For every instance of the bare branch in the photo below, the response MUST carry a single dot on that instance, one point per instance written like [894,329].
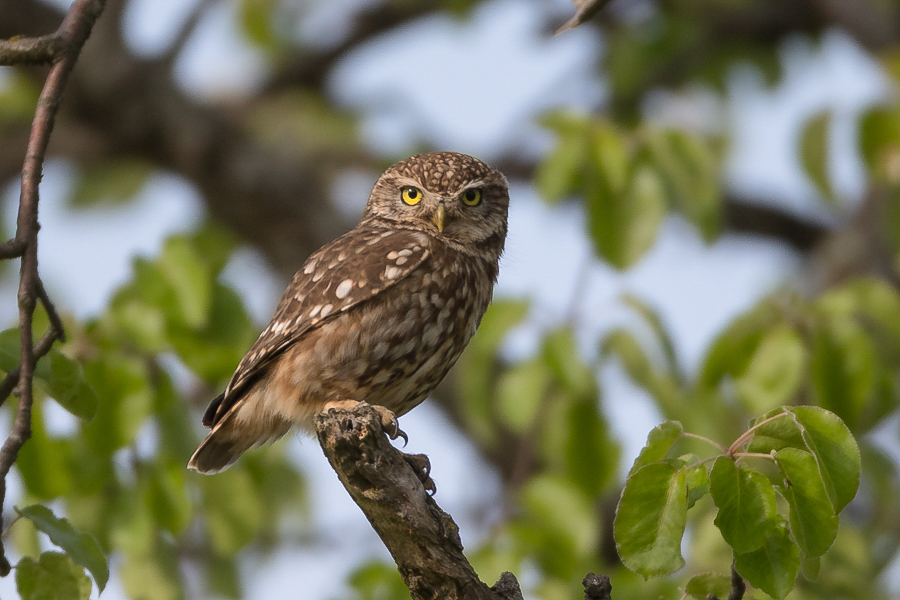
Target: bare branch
[748,215]
[422,538]
[585,11]
[68,41]
[29,51]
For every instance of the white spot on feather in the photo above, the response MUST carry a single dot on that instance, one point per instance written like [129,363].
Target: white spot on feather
[326,310]
[343,289]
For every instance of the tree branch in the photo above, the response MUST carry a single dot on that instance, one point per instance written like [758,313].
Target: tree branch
[422,538]
[66,44]
[29,51]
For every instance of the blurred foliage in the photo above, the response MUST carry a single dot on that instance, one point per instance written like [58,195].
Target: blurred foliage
[798,385]
[120,474]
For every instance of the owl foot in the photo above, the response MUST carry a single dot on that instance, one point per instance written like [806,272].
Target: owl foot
[390,424]
[421,466]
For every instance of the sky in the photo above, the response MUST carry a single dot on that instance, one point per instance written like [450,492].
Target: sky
[497,73]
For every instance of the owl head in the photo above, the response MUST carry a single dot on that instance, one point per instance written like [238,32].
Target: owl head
[451,196]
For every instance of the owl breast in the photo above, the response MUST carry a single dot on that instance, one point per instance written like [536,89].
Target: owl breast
[392,350]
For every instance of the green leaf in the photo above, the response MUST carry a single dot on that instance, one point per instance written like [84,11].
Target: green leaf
[659,441]
[625,207]
[68,386]
[814,144]
[810,567]
[520,391]
[591,453]
[560,173]
[777,433]
[213,350]
[561,354]
[652,319]
[746,503]
[650,520]
[835,451]
[125,397]
[378,581]
[690,171]
[152,573]
[52,577]
[773,568]
[813,519]
[558,525]
[697,480]
[478,364]
[166,496]
[223,578]
[81,547]
[44,461]
[843,367]
[662,386]
[256,21]
[234,510]
[734,348]
[775,372]
[879,137]
[706,584]
[10,349]
[190,279]
[110,182]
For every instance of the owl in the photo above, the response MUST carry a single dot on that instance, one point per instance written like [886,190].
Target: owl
[378,315]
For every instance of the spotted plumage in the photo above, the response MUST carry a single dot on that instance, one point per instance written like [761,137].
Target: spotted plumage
[378,315]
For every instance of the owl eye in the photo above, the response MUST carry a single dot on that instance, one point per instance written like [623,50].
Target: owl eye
[411,195]
[471,197]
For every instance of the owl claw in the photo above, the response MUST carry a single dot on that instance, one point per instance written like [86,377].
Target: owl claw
[421,466]
[390,424]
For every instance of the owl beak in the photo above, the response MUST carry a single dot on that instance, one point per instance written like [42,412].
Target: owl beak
[440,215]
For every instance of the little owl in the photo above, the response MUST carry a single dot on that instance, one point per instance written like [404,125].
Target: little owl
[378,315]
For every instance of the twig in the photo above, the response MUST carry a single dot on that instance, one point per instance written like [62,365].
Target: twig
[62,49]
[187,30]
[29,51]
[40,350]
[422,538]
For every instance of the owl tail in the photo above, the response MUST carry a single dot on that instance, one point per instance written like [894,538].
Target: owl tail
[222,446]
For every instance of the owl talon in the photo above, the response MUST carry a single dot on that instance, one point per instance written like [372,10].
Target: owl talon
[390,424]
[421,466]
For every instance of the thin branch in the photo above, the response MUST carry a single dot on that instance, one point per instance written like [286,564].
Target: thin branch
[422,538]
[30,50]
[704,439]
[745,437]
[56,324]
[40,350]
[68,41]
[186,32]
[13,248]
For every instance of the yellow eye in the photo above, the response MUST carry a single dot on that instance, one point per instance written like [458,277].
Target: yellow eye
[471,197]
[411,195]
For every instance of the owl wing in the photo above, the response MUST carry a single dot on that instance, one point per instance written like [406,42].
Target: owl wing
[338,276]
